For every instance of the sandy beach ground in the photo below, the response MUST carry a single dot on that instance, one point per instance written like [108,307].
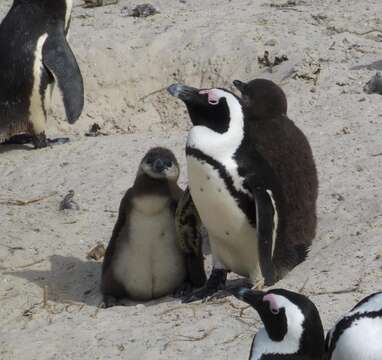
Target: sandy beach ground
[333,47]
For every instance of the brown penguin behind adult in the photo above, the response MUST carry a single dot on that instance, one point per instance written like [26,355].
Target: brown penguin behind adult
[277,137]
[143,260]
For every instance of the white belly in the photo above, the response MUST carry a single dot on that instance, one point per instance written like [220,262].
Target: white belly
[363,340]
[150,263]
[232,238]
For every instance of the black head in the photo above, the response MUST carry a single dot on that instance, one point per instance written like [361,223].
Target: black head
[262,98]
[160,163]
[289,317]
[212,108]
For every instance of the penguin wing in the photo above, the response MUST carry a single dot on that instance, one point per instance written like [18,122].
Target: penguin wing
[124,209]
[59,59]
[266,215]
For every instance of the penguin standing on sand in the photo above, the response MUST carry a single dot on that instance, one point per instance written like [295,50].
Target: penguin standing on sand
[292,325]
[34,56]
[358,334]
[287,150]
[237,191]
[143,260]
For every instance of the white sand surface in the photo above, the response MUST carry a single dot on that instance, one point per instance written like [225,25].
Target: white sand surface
[127,63]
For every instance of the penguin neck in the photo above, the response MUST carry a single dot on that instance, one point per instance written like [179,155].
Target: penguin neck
[220,146]
[264,345]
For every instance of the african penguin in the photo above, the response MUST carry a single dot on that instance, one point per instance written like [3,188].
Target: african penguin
[292,325]
[358,334]
[235,189]
[34,56]
[287,150]
[143,260]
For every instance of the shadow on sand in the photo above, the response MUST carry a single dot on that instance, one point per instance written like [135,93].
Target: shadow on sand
[72,280]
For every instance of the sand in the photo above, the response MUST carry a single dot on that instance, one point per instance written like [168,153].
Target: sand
[333,49]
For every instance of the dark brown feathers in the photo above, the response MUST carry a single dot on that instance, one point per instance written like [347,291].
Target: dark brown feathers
[287,150]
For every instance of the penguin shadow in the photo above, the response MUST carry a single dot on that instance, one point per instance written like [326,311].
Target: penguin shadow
[376,65]
[12,147]
[69,280]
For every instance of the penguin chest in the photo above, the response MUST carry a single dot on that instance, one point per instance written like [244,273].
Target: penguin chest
[362,340]
[150,263]
[232,238]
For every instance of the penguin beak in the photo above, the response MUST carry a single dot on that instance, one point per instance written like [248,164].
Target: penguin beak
[187,94]
[239,85]
[251,297]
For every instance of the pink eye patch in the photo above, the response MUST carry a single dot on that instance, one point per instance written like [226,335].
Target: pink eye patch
[272,303]
[213,96]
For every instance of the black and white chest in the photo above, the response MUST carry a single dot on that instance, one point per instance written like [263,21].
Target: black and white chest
[358,333]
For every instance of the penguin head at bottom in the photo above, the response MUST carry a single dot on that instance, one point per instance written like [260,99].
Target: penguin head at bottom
[292,324]
[160,163]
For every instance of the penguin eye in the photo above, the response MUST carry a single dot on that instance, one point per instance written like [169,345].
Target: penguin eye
[149,160]
[275,311]
[168,163]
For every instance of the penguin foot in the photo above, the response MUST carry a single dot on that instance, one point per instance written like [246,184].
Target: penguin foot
[215,283]
[40,141]
[108,301]
[184,290]
[58,141]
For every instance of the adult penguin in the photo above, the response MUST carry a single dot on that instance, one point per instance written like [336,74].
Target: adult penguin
[34,56]
[358,333]
[292,325]
[237,192]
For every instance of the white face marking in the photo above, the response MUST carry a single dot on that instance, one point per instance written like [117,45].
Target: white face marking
[69,6]
[36,110]
[373,304]
[291,342]
[222,147]
[149,264]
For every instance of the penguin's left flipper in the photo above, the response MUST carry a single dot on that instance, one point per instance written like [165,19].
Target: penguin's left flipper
[265,226]
[58,58]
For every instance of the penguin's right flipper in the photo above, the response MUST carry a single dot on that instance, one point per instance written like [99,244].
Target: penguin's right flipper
[265,229]
[59,59]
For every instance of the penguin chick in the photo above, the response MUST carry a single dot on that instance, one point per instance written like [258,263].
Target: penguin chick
[287,150]
[35,56]
[143,260]
[358,334]
[292,325]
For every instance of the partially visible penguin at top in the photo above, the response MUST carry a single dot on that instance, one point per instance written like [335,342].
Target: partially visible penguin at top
[34,56]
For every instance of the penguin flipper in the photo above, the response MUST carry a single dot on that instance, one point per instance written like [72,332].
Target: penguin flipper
[59,59]
[109,285]
[190,240]
[265,226]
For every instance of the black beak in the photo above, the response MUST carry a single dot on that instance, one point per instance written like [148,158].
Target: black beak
[159,165]
[251,297]
[239,85]
[187,94]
